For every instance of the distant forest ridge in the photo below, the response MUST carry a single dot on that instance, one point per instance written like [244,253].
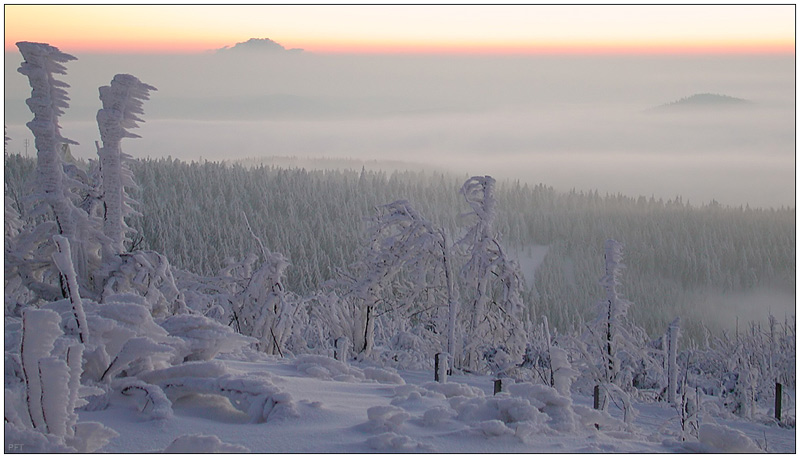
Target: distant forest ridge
[334,163]
[705,100]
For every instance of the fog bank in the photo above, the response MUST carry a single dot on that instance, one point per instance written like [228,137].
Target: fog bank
[570,122]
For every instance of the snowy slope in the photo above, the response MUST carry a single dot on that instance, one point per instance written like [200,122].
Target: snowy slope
[355,408]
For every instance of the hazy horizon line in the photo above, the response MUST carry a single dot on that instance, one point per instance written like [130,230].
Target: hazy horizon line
[787,49]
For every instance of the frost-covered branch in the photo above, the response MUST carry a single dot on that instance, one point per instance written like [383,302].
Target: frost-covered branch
[63,260]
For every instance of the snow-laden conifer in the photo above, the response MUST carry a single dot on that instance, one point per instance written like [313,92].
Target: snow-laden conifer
[122,105]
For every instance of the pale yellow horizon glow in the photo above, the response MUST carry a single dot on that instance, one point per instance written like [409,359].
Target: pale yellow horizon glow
[407,28]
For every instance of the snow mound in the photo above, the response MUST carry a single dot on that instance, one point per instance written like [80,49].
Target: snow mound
[494,428]
[327,368]
[548,400]
[386,375]
[197,443]
[453,389]
[726,440]
[438,415]
[393,442]
[591,418]
[386,418]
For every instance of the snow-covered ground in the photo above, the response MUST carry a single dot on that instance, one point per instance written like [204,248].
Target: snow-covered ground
[339,407]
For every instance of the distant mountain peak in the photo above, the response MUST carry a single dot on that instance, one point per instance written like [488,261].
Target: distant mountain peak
[704,100]
[259,45]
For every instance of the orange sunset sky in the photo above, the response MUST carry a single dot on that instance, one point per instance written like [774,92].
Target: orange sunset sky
[518,29]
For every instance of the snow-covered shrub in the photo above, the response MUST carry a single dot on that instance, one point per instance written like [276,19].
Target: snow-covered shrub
[40,412]
[563,373]
[148,399]
[742,370]
[500,415]
[252,394]
[495,337]
[255,396]
[263,311]
[549,401]
[124,339]
[402,287]
[204,337]
[503,407]
[147,274]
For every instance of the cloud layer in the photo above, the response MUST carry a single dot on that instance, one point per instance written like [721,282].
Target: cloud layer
[571,122]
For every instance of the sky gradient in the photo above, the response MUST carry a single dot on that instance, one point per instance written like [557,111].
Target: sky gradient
[481,29]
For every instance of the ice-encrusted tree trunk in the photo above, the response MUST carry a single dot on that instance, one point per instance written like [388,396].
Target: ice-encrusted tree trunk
[122,105]
[494,283]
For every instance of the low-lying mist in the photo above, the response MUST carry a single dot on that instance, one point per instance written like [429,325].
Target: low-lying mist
[569,122]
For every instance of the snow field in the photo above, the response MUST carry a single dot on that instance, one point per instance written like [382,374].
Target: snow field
[359,414]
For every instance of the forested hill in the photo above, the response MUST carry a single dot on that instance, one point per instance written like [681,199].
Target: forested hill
[681,259]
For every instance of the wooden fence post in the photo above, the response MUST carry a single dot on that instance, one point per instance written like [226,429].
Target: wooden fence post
[340,352]
[778,400]
[597,397]
[498,386]
[440,366]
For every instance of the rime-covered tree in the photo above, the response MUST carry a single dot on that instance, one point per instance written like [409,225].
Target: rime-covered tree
[54,189]
[405,276]
[264,309]
[495,335]
[122,105]
[614,348]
